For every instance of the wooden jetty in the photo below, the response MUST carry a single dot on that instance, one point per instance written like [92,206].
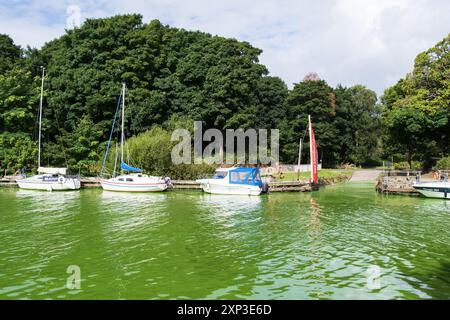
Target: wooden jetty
[397,182]
[8,181]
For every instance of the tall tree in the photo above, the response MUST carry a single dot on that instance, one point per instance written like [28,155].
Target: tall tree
[9,53]
[417,109]
[315,98]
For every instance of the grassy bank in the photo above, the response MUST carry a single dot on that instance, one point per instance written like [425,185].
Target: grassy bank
[328,173]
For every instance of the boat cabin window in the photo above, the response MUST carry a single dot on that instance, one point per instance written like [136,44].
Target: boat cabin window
[220,175]
[258,177]
[50,178]
[130,179]
[239,177]
[120,179]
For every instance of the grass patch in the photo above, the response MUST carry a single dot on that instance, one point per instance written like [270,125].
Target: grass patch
[327,173]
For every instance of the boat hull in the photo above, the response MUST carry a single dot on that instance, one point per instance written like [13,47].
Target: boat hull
[132,187]
[434,190]
[231,189]
[68,184]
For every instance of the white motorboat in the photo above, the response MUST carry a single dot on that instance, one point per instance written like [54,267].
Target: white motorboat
[48,179]
[131,179]
[236,181]
[435,189]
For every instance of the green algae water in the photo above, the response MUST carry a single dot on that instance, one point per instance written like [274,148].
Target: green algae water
[342,242]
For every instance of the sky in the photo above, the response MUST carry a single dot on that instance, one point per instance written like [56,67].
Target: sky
[346,42]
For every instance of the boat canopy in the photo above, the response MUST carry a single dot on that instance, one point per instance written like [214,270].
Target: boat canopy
[249,176]
[52,170]
[126,167]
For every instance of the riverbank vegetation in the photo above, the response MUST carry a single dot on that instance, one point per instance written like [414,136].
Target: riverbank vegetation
[326,173]
[177,74]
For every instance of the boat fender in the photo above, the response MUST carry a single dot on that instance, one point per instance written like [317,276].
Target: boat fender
[265,187]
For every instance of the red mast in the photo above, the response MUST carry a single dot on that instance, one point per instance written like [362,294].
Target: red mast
[313,152]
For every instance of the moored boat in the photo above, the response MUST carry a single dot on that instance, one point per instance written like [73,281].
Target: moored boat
[435,189]
[135,183]
[48,179]
[235,181]
[132,179]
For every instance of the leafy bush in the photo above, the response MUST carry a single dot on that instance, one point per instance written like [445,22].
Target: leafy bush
[17,151]
[443,164]
[403,165]
[151,151]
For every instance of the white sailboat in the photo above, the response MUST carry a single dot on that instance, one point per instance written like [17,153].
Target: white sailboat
[132,180]
[48,179]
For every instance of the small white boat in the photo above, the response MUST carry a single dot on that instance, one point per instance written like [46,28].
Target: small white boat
[50,179]
[437,189]
[236,181]
[135,183]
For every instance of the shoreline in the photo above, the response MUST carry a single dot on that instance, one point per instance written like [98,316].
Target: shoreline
[274,186]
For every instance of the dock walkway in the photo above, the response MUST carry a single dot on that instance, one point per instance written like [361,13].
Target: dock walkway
[365,175]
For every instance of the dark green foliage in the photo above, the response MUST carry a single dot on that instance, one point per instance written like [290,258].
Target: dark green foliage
[346,122]
[151,151]
[443,163]
[174,76]
[9,53]
[416,111]
[17,151]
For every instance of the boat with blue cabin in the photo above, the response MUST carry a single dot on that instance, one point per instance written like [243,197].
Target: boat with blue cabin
[235,181]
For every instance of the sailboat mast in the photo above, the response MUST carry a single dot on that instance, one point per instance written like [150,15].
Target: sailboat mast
[40,117]
[123,123]
[311,146]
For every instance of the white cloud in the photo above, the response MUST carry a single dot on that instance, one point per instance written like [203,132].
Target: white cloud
[372,42]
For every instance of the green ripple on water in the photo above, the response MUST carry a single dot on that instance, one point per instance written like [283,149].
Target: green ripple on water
[177,245]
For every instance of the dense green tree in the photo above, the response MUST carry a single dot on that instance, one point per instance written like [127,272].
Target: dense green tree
[17,151]
[416,111]
[358,122]
[174,76]
[19,96]
[315,98]
[9,53]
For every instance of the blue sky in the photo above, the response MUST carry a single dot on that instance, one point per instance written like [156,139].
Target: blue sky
[349,42]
